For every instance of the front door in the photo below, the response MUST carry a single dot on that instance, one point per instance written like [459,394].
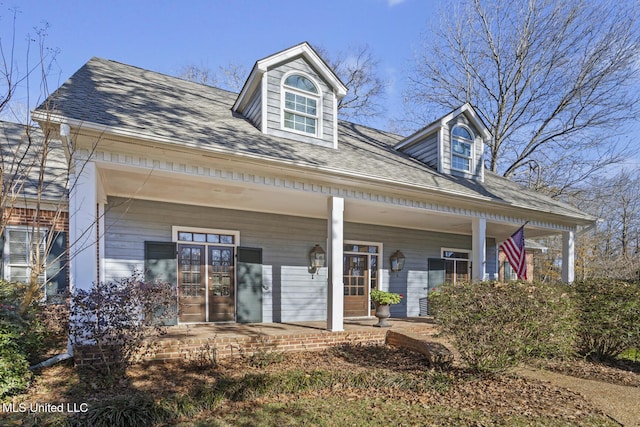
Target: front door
[221,277]
[356,285]
[191,284]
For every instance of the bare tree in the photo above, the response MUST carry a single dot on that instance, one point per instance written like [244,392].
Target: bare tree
[34,171]
[612,248]
[230,77]
[554,81]
[357,67]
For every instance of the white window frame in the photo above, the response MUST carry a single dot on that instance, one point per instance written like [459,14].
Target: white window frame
[315,96]
[463,140]
[469,259]
[380,247]
[175,229]
[6,252]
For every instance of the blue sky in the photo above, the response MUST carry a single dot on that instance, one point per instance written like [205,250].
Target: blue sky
[164,36]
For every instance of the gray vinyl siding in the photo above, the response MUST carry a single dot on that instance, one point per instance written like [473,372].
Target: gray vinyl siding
[426,150]
[253,111]
[273,103]
[417,246]
[290,292]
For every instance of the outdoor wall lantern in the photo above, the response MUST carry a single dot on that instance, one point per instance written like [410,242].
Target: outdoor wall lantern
[397,261]
[316,259]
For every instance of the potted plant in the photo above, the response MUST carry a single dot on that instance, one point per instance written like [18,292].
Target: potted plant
[382,300]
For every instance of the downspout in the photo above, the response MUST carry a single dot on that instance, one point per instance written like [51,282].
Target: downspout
[65,135]
[52,361]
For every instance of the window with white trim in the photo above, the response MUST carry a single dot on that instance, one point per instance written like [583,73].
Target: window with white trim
[461,148]
[456,265]
[300,110]
[23,248]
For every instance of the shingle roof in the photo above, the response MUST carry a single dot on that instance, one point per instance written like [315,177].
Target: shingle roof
[158,106]
[21,159]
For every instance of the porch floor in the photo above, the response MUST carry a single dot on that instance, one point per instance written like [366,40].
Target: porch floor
[206,330]
[237,339]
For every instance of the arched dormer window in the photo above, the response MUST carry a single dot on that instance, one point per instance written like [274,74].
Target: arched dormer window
[300,110]
[461,148]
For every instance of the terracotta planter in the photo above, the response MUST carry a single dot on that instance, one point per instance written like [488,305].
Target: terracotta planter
[382,313]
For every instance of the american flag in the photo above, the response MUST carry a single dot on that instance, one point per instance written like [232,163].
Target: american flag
[513,247]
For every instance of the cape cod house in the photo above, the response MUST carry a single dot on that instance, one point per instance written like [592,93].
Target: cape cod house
[237,197]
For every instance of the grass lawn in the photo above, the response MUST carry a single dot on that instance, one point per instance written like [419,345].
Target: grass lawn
[343,386]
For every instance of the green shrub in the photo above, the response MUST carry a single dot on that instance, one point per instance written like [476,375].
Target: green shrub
[609,312]
[30,331]
[21,339]
[14,368]
[496,325]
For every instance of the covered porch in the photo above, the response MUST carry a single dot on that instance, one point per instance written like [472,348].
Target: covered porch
[347,205]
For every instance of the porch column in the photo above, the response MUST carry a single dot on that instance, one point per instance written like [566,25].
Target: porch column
[83,199]
[568,256]
[335,240]
[479,248]
[102,202]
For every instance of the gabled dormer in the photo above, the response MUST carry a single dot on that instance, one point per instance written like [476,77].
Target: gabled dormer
[293,94]
[453,144]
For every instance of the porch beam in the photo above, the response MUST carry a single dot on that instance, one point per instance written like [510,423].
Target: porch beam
[568,256]
[335,240]
[479,249]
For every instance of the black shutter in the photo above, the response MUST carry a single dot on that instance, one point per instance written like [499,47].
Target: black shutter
[56,287]
[160,262]
[436,273]
[436,277]
[249,292]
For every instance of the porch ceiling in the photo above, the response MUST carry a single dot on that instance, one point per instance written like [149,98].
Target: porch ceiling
[260,198]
